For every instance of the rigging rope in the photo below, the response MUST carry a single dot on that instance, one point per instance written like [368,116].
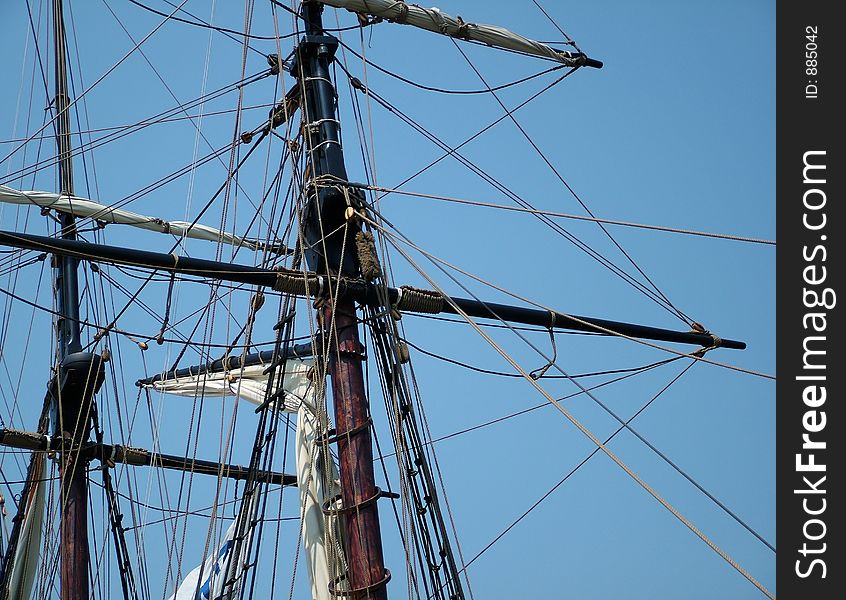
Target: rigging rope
[724,236]
[603,330]
[601,446]
[448,91]
[120,61]
[453,151]
[510,113]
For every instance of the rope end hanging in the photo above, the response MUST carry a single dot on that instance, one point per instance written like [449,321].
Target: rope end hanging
[540,372]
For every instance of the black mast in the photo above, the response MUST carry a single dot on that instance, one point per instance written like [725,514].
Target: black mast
[79,373]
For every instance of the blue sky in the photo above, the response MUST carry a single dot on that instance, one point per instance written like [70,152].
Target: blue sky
[677,129]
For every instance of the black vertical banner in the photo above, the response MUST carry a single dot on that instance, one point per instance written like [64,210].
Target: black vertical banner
[811,223]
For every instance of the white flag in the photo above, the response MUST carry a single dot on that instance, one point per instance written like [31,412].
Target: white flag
[213,572]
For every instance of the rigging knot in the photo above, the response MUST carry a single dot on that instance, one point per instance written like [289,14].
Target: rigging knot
[273,61]
[247,137]
[129,455]
[435,13]
[321,181]
[462,31]
[162,223]
[697,327]
[418,300]
[716,341]
[402,17]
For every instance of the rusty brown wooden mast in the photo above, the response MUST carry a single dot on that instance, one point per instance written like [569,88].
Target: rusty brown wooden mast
[79,373]
[335,254]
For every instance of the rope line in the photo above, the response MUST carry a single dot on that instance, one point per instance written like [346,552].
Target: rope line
[535,211]
[589,434]
[399,236]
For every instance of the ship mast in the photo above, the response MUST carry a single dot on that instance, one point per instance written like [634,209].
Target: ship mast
[335,254]
[328,232]
[79,373]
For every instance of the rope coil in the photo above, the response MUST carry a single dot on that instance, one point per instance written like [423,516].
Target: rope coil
[298,284]
[368,259]
[419,300]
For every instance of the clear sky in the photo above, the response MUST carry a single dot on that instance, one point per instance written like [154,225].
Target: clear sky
[678,129]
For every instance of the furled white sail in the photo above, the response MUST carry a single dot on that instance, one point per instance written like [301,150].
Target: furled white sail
[317,475]
[435,20]
[25,562]
[82,207]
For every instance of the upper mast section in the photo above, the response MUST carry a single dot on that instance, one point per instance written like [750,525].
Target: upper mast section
[80,374]
[432,19]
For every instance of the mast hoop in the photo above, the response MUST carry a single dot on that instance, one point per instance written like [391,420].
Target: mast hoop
[334,512]
[337,437]
[358,591]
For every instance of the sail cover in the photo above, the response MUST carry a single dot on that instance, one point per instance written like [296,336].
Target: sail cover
[25,561]
[82,207]
[317,475]
[435,20]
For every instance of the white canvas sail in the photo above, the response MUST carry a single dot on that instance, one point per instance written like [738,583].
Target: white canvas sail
[83,207]
[434,20]
[25,562]
[317,478]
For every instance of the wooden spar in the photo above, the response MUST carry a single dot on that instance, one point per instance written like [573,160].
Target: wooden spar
[231,363]
[354,289]
[80,374]
[366,576]
[115,453]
